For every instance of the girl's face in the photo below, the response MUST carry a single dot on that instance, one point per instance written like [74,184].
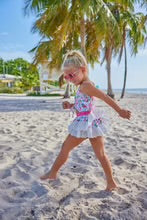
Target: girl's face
[74,75]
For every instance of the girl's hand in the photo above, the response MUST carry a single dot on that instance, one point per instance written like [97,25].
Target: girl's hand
[125,113]
[66,105]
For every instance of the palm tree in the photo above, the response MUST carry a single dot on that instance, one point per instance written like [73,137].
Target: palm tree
[63,23]
[111,44]
[133,31]
[143,3]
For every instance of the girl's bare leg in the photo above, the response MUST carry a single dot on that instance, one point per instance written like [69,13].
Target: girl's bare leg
[67,146]
[98,147]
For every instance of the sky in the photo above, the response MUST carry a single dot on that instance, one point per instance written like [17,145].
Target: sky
[16,39]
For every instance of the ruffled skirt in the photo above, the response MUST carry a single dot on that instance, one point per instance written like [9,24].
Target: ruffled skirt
[89,126]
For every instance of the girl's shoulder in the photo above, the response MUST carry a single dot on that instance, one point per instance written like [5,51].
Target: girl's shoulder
[85,84]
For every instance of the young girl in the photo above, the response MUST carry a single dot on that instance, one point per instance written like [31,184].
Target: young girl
[88,123]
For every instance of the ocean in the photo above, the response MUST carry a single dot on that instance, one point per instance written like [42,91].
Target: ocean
[134,91]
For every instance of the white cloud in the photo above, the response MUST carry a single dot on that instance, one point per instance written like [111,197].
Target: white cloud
[16,54]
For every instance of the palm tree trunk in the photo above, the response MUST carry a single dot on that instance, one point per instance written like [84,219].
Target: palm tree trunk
[61,80]
[125,75]
[67,91]
[108,67]
[82,35]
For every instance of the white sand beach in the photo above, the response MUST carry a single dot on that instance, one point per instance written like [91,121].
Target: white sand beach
[32,130]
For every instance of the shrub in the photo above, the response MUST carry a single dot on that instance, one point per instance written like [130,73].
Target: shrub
[38,94]
[13,90]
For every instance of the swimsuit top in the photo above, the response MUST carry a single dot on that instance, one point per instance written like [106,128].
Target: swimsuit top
[83,102]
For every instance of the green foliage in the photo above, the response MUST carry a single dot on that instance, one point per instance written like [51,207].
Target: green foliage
[59,25]
[53,83]
[99,27]
[38,94]
[13,90]
[20,67]
[1,65]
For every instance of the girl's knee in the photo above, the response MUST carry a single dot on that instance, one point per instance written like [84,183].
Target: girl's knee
[97,140]
[100,153]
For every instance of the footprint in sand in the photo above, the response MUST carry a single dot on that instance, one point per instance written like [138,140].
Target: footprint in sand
[132,166]
[26,194]
[126,153]
[26,167]
[38,189]
[31,127]
[2,147]
[8,131]
[9,184]
[123,206]
[21,174]
[1,155]
[5,173]
[90,185]
[8,148]
[142,197]
[24,120]
[111,140]
[77,169]
[118,161]
[2,131]
[122,191]
[136,139]
[134,147]
[145,149]
[140,129]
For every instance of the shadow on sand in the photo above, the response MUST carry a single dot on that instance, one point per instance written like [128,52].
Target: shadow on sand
[18,103]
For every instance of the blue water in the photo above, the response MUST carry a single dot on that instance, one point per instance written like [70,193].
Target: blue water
[134,91]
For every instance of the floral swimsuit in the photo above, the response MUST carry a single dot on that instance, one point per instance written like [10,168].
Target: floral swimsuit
[89,121]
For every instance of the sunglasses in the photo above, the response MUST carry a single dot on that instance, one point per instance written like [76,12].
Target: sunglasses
[70,76]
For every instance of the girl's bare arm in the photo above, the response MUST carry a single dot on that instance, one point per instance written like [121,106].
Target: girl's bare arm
[91,90]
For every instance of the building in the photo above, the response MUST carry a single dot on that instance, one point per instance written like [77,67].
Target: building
[9,80]
[45,75]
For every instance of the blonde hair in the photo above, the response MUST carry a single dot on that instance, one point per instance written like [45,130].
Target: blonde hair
[74,58]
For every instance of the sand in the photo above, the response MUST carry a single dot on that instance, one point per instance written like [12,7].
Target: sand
[32,130]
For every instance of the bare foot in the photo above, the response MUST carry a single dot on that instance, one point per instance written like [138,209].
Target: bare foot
[111,186]
[49,176]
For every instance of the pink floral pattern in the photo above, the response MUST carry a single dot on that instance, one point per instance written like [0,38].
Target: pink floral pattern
[83,102]
[90,125]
